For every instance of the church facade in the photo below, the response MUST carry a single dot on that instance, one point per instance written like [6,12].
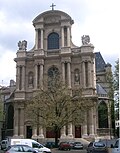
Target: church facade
[54,50]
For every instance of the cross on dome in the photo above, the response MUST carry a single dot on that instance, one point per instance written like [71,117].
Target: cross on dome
[52,6]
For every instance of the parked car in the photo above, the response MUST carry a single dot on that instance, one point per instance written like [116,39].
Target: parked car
[97,147]
[64,146]
[21,149]
[3,144]
[77,145]
[30,142]
[116,146]
[71,144]
[50,144]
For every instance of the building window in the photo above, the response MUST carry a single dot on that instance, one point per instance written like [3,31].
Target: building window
[65,36]
[53,76]
[103,115]
[53,41]
[39,39]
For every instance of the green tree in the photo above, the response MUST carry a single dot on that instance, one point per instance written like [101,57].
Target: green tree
[113,80]
[116,89]
[56,107]
[1,107]
[110,81]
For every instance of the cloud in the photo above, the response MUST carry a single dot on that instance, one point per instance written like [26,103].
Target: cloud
[7,67]
[97,18]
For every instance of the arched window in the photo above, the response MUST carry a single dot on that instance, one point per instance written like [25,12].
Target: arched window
[53,76]
[65,36]
[103,115]
[53,41]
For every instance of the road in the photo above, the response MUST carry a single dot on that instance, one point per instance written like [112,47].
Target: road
[66,151]
[61,151]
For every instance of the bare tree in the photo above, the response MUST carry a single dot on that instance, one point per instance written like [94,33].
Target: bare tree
[57,106]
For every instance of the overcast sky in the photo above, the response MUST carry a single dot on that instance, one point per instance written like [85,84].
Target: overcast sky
[100,19]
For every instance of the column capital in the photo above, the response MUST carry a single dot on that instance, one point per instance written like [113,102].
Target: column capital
[39,63]
[21,66]
[66,60]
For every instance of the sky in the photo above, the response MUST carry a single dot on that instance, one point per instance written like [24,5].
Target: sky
[100,19]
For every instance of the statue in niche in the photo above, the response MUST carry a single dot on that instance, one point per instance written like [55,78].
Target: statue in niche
[85,39]
[77,76]
[22,45]
[30,79]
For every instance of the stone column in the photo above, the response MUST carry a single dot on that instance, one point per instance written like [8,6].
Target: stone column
[41,136]
[89,74]
[16,123]
[34,134]
[94,120]
[69,74]
[17,77]
[42,39]
[94,74]
[41,76]
[62,36]
[36,39]
[63,133]
[84,127]
[36,76]
[91,126]
[68,36]
[23,77]
[22,122]
[70,135]
[83,74]
[85,131]
[63,72]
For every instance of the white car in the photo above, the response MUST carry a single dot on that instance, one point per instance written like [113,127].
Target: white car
[30,142]
[20,149]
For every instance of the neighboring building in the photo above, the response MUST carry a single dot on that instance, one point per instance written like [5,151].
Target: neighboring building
[54,52]
[117,124]
[7,96]
[117,127]
[105,122]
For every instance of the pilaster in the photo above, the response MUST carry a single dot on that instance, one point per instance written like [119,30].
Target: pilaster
[69,74]
[22,122]
[70,134]
[41,135]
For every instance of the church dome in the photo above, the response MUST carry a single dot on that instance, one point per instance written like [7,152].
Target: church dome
[52,16]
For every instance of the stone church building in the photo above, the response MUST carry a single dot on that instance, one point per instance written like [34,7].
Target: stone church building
[78,66]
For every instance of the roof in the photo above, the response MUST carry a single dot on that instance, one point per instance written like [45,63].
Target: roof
[100,90]
[53,13]
[99,62]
